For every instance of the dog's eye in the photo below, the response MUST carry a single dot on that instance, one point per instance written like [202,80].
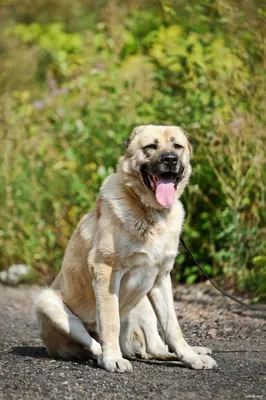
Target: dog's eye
[178,146]
[152,146]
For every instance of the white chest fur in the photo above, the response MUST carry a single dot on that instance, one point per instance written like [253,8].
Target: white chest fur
[142,259]
[158,247]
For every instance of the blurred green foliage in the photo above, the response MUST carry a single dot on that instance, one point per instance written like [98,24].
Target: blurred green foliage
[77,78]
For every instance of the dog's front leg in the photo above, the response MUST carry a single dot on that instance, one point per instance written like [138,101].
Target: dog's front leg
[161,297]
[106,284]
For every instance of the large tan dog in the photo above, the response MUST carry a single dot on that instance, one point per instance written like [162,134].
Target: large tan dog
[115,281]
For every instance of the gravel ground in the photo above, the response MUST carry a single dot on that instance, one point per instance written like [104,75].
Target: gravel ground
[237,337]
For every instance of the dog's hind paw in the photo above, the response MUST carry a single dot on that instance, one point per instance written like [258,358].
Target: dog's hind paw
[203,362]
[114,365]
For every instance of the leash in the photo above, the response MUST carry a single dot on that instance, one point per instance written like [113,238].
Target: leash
[254,308]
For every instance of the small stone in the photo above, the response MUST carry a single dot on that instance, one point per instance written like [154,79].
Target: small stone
[228,329]
[14,274]
[212,333]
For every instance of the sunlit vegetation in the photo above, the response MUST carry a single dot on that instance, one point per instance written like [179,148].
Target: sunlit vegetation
[76,77]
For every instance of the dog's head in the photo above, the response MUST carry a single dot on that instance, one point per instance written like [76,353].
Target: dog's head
[156,165]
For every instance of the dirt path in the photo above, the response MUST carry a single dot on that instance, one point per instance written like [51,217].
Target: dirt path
[237,337]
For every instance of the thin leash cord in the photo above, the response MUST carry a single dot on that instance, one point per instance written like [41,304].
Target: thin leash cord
[254,308]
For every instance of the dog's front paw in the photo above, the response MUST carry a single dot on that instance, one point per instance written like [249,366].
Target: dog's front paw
[201,350]
[114,364]
[95,350]
[203,362]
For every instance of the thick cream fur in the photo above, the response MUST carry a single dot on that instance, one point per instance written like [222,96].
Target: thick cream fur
[114,285]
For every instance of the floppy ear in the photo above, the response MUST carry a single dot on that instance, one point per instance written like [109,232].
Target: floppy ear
[127,142]
[190,144]
[135,131]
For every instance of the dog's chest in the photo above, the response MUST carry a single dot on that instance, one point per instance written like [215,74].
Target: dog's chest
[155,249]
[142,261]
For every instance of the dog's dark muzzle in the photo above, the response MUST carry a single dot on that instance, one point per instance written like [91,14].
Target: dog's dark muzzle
[169,159]
[167,163]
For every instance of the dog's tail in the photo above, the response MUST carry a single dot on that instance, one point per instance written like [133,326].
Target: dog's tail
[62,332]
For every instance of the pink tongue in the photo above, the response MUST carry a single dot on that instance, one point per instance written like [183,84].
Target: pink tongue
[165,191]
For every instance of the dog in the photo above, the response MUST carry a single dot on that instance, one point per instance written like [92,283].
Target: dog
[112,300]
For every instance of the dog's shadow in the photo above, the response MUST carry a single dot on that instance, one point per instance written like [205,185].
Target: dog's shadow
[30,351]
[41,353]
[159,363]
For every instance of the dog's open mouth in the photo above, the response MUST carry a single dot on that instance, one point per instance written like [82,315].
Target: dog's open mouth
[163,185]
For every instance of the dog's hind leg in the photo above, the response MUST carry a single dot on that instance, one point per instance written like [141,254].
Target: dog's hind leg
[62,332]
[139,336]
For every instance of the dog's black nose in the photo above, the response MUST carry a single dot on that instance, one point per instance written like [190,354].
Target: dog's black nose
[170,159]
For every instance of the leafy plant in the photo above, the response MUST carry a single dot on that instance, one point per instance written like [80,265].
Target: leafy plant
[74,86]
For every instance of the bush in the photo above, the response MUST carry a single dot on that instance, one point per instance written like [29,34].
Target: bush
[83,88]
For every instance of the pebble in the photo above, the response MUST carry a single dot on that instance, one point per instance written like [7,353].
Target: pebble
[212,333]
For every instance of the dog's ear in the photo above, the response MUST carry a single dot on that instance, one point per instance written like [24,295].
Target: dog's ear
[190,143]
[127,142]
[135,132]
